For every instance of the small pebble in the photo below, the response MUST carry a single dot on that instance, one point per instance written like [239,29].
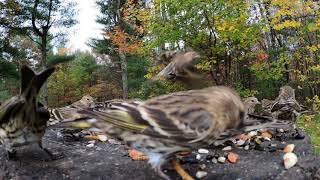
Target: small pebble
[102,138]
[281,130]
[300,135]
[241,142]
[98,148]
[203,151]
[209,157]
[91,142]
[228,148]
[244,137]
[90,145]
[252,133]
[201,174]
[266,134]
[289,160]
[289,148]
[246,147]
[266,139]
[233,157]
[113,141]
[198,157]
[221,159]
[202,166]
[214,160]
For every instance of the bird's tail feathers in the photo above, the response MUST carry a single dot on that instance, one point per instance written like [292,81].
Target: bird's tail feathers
[91,117]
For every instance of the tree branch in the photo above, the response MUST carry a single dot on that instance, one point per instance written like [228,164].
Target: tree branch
[33,19]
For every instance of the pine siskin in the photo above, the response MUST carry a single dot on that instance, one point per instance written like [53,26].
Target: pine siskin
[168,124]
[250,104]
[59,114]
[22,118]
[285,106]
[181,68]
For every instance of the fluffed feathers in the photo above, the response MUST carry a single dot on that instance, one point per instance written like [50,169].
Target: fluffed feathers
[22,118]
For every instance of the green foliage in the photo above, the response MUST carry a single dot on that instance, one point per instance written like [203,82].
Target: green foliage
[311,124]
[70,81]
[244,92]
[8,69]
[151,89]
[56,59]
[137,69]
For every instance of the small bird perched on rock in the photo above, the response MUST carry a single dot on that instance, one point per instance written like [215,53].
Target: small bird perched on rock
[59,114]
[70,111]
[23,120]
[165,125]
[285,106]
[250,104]
[266,106]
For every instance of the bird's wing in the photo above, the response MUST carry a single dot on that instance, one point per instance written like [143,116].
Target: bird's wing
[180,116]
[26,78]
[175,116]
[292,104]
[31,83]
[9,107]
[41,78]
[256,122]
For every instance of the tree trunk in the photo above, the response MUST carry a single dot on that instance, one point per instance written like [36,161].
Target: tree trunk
[43,64]
[124,69]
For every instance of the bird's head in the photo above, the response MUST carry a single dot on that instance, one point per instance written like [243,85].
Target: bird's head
[251,101]
[88,100]
[286,92]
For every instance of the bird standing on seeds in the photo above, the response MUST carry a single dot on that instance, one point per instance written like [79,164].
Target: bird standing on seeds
[168,124]
[70,111]
[23,119]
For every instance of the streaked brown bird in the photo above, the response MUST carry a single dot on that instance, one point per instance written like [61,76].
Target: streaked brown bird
[250,104]
[165,125]
[59,114]
[181,68]
[23,120]
[286,106]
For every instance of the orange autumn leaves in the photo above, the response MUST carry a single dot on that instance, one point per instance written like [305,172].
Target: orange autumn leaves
[261,56]
[134,15]
[126,43]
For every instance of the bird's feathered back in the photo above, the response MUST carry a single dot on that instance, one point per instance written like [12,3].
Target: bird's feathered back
[286,98]
[187,116]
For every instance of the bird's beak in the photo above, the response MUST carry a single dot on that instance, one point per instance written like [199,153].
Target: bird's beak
[259,102]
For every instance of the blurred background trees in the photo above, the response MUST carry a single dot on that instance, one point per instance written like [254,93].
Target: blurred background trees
[254,46]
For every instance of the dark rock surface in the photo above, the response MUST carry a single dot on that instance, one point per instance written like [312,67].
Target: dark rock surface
[110,161]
